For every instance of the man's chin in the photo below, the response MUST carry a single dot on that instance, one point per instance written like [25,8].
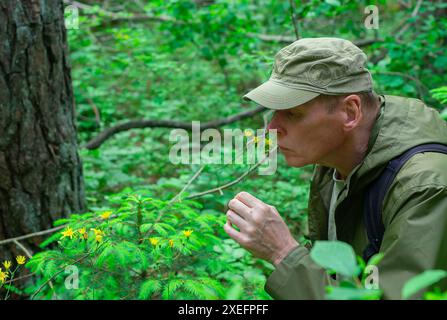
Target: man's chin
[295,161]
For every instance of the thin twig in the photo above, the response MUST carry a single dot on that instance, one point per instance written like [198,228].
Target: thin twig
[21,246]
[219,189]
[294,18]
[188,184]
[408,24]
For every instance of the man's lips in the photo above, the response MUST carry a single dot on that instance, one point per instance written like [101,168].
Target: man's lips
[283,148]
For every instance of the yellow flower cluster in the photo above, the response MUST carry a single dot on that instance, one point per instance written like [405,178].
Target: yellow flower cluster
[3,276]
[7,265]
[98,234]
[256,139]
[106,215]
[156,241]
[70,233]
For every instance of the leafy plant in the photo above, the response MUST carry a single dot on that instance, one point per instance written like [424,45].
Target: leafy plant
[339,259]
[145,248]
[422,281]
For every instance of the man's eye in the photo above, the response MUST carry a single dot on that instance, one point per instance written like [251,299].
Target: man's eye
[292,115]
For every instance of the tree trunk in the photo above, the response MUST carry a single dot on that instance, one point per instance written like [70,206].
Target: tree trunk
[40,169]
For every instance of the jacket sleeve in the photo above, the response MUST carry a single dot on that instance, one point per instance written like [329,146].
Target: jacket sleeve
[297,277]
[415,238]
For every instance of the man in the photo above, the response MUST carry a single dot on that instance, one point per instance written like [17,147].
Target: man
[326,113]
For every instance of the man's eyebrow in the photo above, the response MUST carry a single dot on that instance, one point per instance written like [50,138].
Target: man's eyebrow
[297,111]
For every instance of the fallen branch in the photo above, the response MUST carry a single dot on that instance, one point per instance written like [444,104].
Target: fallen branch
[31,235]
[106,134]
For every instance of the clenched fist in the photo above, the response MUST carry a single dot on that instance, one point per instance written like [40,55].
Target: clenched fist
[262,230]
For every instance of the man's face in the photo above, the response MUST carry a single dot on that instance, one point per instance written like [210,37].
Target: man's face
[308,134]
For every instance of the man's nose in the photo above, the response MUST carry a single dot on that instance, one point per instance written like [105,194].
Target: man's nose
[275,124]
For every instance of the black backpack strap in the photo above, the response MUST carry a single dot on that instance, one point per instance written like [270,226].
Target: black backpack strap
[375,195]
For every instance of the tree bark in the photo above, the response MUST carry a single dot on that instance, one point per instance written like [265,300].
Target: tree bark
[40,170]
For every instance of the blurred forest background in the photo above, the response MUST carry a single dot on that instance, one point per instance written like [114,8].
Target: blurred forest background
[191,60]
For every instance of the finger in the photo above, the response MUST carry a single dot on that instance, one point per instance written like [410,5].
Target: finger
[249,200]
[235,235]
[237,220]
[240,208]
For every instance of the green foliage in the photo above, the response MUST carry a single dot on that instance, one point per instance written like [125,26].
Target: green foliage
[440,94]
[144,248]
[339,259]
[337,256]
[194,63]
[422,281]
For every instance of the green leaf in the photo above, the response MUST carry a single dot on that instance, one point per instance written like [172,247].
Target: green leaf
[235,292]
[336,293]
[375,259]
[444,114]
[50,239]
[337,256]
[334,3]
[148,288]
[145,227]
[422,281]
[170,288]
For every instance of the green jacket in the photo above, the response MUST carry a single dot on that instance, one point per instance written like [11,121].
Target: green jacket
[414,210]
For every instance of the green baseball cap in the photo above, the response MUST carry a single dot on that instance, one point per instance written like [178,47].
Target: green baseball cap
[312,66]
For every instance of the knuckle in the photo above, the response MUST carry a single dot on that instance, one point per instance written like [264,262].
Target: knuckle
[246,241]
[258,218]
[263,207]
[241,194]
[251,230]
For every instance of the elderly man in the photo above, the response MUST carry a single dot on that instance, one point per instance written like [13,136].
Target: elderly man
[380,181]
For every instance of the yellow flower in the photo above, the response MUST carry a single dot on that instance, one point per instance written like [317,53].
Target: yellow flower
[98,238]
[106,215]
[187,233]
[97,232]
[3,276]
[255,139]
[83,233]
[268,142]
[20,259]
[171,243]
[68,233]
[248,133]
[154,241]
[7,264]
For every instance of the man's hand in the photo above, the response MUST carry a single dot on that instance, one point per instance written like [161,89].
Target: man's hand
[262,230]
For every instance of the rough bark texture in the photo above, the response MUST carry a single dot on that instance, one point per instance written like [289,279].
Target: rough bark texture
[40,169]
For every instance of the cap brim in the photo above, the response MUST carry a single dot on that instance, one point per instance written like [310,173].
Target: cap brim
[272,95]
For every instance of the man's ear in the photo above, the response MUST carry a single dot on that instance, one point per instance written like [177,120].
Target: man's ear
[352,109]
